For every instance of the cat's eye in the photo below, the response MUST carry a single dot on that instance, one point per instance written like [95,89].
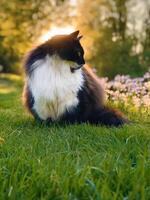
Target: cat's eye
[79,53]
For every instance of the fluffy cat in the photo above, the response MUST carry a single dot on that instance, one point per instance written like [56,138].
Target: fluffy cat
[60,88]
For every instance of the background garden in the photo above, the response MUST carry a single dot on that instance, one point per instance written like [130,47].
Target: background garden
[116,32]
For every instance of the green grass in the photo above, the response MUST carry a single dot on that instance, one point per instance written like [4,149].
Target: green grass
[70,162]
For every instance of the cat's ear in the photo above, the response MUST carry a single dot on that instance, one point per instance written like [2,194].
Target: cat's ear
[79,38]
[74,34]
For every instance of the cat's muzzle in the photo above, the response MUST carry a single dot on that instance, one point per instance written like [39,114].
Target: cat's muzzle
[74,68]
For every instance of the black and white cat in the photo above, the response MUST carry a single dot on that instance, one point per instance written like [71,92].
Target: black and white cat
[59,88]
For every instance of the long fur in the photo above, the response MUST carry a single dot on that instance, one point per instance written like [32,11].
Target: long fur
[54,87]
[53,92]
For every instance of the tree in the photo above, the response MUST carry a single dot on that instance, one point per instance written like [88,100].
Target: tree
[22,22]
[111,45]
[146,43]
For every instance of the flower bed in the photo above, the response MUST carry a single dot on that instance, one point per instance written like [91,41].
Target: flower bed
[126,90]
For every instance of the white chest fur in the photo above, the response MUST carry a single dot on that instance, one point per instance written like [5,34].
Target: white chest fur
[54,87]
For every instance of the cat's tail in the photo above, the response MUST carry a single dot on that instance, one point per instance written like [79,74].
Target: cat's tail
[108,117]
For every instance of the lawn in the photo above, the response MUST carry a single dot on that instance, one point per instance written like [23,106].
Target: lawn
[70,162]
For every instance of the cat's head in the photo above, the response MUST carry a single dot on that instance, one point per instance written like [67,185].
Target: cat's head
[68,47]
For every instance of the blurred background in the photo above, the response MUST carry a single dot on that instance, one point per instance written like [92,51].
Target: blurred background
[116,32]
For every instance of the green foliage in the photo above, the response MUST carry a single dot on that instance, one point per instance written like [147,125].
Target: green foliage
[7,57]
[69,162]
[115,58]
[146,43]
[109,42]
[22,22]
[113,46]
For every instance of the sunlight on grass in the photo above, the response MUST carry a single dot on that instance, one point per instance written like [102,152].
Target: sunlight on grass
[2,140]
[9,83]
[11,77]
[6,90]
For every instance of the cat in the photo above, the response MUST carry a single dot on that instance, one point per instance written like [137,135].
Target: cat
[60,88]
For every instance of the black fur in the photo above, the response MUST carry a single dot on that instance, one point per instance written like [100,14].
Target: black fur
[91,106]
[68,47]
[32,57]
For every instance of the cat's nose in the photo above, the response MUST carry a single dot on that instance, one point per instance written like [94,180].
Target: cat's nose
[81,62]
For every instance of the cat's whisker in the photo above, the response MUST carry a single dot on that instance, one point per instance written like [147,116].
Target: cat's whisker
[73,69]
